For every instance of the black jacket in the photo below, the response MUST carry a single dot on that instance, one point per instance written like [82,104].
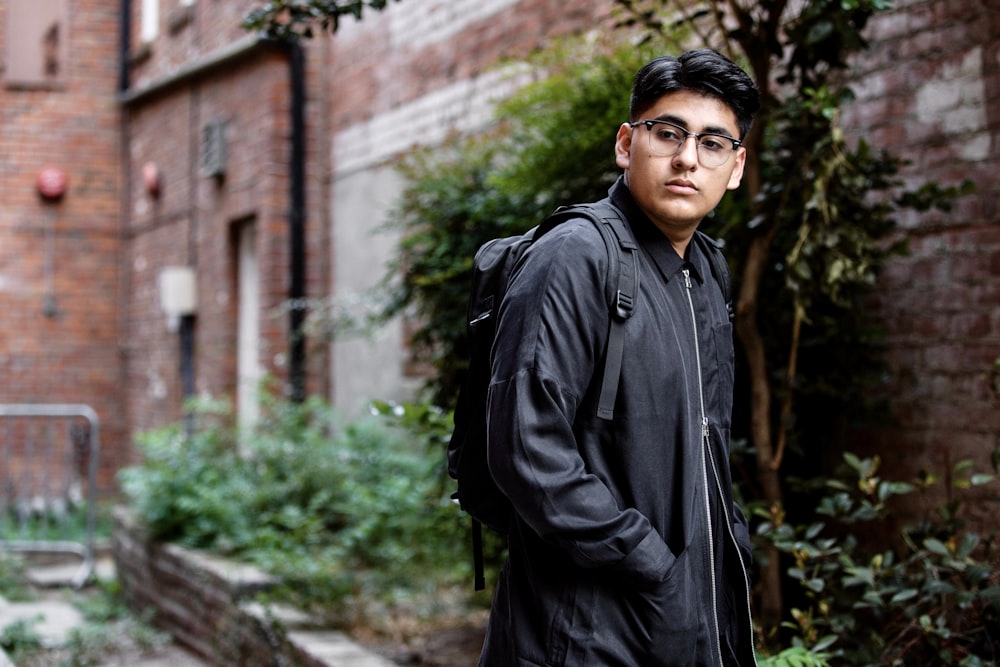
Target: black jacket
[627,549]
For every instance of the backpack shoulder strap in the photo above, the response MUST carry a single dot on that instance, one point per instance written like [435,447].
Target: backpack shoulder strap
[720,268]
[623,270]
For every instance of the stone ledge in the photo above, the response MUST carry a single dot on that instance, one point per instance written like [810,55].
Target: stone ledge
[207,604]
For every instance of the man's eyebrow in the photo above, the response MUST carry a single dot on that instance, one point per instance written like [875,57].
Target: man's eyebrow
[711,129]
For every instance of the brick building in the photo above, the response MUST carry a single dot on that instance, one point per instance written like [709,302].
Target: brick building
[261,172]
[59,256]
[929,91]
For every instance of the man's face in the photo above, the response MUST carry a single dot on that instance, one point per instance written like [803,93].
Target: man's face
[677,192]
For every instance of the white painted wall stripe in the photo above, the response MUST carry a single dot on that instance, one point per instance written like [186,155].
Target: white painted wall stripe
[417,23]
[464,106]
[414,24]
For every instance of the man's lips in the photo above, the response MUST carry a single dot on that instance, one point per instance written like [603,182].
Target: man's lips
[681,186]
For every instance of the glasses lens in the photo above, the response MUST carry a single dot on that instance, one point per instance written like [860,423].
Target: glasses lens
[667,140]
[664,139]
[713,151]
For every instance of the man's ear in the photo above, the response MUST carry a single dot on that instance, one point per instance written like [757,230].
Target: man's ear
[737,175]
[623,146]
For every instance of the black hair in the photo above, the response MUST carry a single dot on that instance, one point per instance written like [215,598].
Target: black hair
[704,71]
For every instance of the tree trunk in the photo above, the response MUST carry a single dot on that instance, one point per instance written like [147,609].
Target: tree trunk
[771,603]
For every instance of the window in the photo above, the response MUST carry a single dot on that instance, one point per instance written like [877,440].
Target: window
[149,24]
[36,42]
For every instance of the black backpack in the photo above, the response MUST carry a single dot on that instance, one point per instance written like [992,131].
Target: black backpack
[493,265]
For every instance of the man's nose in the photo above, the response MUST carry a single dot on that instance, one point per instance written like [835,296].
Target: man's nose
[687,154]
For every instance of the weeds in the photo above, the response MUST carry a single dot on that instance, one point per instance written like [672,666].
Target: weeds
[338,512]
[932,596]
[20,640]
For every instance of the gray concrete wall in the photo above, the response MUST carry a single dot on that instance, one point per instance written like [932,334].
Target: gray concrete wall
[408,76]
[365,365]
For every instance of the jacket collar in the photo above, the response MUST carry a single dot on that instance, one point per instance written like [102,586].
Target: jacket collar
[652,240]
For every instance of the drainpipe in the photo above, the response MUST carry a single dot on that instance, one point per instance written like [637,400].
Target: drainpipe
[124,44]
[297,230]
[124,210]
[297,194]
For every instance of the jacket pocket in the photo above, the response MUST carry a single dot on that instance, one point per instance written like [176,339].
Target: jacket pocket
[651,625]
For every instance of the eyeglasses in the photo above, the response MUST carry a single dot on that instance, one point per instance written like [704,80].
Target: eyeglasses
[667,139]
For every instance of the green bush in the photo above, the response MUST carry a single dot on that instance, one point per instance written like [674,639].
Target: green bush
[552,143]
[930,596]
[345,513]
[12,578]
[20,639]
[795,656]
[334,510]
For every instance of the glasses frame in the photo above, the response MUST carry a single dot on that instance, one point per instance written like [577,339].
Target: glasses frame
[649,123]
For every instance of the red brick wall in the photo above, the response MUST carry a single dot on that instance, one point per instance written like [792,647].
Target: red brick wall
[929,91]
[374,74]
[72,355]
[193,222]
[186,32]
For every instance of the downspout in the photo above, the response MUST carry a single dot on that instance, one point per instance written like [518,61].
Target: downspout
[124,211]
[297,228]
[124,44]
[297,195]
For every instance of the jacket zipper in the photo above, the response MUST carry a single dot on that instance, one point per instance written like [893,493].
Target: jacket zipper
[732,536]
[704,468]
[707,449]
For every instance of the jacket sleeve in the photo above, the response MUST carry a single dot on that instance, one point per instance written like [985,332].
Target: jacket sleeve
[551,332]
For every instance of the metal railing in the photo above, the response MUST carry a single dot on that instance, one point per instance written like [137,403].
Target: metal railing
[48,474]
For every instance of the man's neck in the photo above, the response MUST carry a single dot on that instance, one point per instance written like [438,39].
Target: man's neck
[678,233]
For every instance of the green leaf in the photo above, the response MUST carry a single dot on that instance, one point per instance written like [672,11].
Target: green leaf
[824,643]
[991,593]
[937,547]
[967,545]
[887,489]
[939,587]
[964,465]
[859,575]
[853,460]
[815,584]
[814,529]
[904,595]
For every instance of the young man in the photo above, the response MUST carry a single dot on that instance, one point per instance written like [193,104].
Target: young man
[627,549]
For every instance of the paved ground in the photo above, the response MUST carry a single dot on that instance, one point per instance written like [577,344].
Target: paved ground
[53,617]
[58,618]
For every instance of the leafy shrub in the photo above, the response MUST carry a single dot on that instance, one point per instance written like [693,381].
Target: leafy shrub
[334,510]
[20,639]
[362,511]
[796,656]
[930,597]
[552,143]
[12,578]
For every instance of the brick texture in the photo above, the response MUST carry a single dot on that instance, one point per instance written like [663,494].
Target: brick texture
[929,91]
[78,278]
[194,218]
[198,599]
[59,271]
